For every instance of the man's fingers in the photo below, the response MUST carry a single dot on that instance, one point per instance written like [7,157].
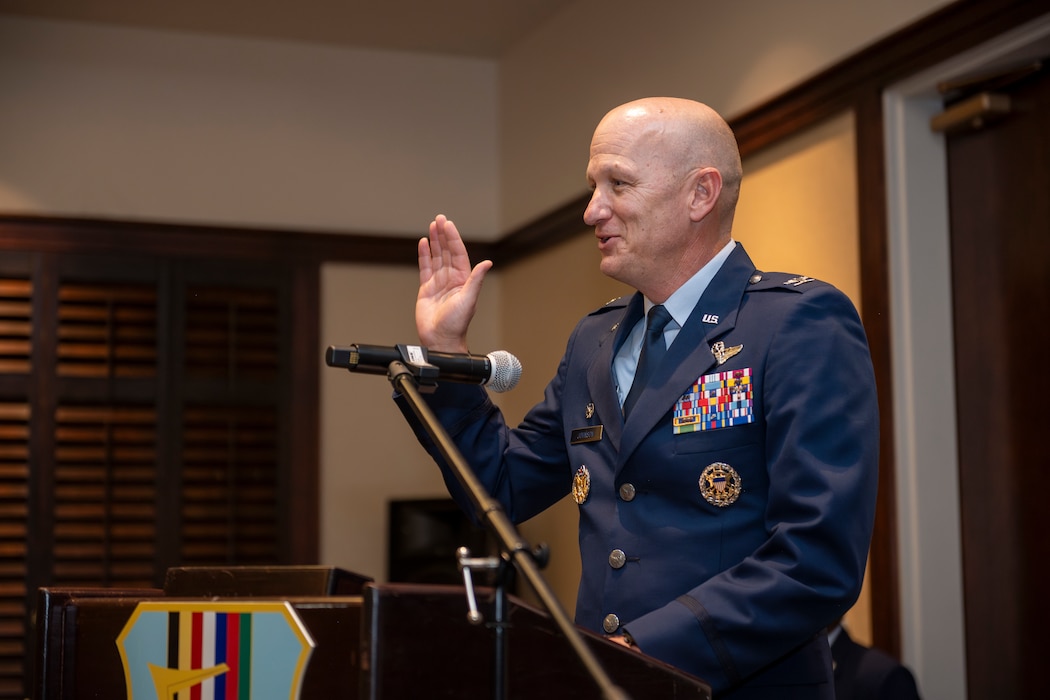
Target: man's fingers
[426,267]
[477,276]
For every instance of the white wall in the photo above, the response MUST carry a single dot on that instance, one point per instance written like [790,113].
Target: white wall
[109,122]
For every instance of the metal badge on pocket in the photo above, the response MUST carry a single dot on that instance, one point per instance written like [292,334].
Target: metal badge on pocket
[581,485]
[720,484]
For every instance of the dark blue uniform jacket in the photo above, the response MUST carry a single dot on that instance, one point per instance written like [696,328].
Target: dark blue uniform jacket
[727,521]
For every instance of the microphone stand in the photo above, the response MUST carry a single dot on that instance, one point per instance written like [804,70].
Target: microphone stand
[514,548]
[504,574]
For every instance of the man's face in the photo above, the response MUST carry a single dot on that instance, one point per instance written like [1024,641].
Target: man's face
[639,206]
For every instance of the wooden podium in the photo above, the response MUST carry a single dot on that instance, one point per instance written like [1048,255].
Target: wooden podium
[369,641]
[421,645]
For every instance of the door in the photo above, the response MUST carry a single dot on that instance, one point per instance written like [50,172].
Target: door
[999,173]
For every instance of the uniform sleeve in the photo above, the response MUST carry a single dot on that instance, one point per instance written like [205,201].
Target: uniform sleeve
[524,468]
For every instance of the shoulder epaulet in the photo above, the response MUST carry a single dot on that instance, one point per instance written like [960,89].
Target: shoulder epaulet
[616,303]
[761,281]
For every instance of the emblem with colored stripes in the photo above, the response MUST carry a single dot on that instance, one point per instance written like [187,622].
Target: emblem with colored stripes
[213,650]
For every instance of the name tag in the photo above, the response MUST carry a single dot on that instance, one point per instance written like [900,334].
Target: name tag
[590,434]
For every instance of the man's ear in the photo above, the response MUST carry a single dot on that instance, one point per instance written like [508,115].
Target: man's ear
[707,187]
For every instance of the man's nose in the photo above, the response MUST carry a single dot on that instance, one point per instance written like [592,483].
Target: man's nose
[596,209]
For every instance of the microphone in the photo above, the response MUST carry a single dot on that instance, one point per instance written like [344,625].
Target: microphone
[499,370]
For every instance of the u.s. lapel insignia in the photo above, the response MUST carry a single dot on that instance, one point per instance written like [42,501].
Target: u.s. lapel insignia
[722,353]
[720,484]
[581,485]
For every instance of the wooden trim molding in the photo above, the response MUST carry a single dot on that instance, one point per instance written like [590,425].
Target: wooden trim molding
[60,234]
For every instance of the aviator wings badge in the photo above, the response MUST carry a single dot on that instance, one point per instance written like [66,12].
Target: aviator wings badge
[722,353]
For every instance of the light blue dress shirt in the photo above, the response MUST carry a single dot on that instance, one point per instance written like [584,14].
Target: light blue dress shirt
[680,304]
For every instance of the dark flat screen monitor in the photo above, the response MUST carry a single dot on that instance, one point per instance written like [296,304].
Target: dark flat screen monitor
[424,535]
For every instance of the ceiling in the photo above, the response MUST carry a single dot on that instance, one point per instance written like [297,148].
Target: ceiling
[475,28]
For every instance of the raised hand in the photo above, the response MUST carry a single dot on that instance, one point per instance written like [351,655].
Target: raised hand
[448,288]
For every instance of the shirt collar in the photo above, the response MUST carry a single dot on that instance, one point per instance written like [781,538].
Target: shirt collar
[684,299]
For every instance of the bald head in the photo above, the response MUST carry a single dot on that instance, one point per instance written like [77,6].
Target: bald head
[665,176]
[687,135]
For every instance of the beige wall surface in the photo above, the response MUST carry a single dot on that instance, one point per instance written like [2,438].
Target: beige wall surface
[369,455]
[110,122]
[798,207]
[556,84]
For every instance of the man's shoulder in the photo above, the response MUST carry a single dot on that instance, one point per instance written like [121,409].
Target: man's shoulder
[603,319]
[781,293]
[777,289]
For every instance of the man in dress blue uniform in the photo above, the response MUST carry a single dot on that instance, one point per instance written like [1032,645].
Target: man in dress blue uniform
[726,500]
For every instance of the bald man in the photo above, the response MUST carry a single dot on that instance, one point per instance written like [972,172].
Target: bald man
[723,454]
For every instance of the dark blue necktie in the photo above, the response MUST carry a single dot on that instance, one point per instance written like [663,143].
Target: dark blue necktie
[653,349]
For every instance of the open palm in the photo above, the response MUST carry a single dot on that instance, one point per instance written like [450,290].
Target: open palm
[448,288]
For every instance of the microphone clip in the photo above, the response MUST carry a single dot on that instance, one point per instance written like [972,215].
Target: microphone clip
[416,359]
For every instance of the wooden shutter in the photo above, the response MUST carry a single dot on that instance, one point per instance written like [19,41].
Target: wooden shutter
[107,330]
[105,448]
[14,538]
[232,334]
[15,324]
[229,486]
[230,425]
[15,353]
[159,425]
[105,496]
[146,376]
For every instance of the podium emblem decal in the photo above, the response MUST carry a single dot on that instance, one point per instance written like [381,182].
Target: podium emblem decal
[200,650]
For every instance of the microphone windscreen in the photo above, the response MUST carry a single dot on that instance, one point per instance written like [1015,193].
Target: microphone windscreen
[506,371]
